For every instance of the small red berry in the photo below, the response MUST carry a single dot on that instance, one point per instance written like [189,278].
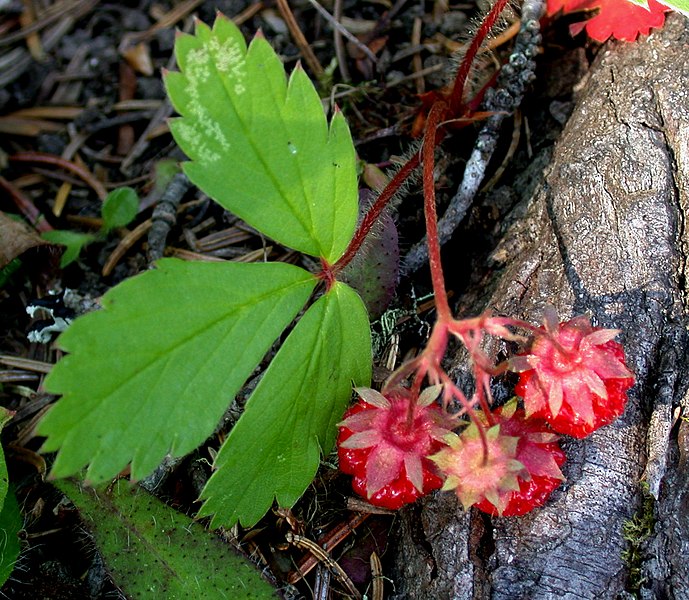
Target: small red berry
[538,450]
[387,451]
[574,377]
[510,470]
[481,467]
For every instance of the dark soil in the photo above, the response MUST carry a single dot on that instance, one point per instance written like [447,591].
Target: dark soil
[104,112]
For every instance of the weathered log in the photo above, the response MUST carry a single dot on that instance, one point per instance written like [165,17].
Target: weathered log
[603,234]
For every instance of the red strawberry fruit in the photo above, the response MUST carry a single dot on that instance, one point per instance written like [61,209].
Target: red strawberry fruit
[385,441]
[509,470]
[539,451]
[574,377]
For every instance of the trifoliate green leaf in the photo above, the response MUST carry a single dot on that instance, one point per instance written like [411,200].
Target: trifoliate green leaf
[153,372]
[262,147]
[274,449]
[119,208]
[153,551]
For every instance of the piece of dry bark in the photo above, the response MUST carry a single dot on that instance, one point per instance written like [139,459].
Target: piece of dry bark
[603,234]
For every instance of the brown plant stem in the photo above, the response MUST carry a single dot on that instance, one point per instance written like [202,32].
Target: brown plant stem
[25,205]
[299,39]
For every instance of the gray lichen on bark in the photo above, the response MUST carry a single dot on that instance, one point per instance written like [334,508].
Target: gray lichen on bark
[603,234]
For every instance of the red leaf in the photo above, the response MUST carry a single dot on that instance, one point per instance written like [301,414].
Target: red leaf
[617,18]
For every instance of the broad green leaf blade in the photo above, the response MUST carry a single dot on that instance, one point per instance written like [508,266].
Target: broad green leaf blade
[11,523]
[681,6]
[153,551]
[262,147]
[274,449]
[153,372]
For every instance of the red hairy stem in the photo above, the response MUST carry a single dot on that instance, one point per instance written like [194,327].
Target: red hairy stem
[374,212]
[485,396]
[25,205]
[428,154]
[456,97]
[326,274]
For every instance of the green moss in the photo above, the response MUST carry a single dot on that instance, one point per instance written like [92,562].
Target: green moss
[636,532]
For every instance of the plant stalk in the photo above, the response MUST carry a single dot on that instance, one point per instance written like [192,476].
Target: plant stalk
[428,153]
[457,95]
[374,212]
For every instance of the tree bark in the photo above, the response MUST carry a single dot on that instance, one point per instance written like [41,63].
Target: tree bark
[603,234]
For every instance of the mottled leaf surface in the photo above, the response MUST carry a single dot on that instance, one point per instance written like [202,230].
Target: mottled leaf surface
[274,450]
[259,144]
[153,551]
[153,372]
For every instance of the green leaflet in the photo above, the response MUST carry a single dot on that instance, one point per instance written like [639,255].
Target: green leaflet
[259,146]
[153,551]
[153,372]
[274,449]
[11,523]
[5,416]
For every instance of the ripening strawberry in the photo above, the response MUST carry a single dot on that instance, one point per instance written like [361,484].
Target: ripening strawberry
[480,467]
[574,377]
[386,451]
[512,470]
[539,451]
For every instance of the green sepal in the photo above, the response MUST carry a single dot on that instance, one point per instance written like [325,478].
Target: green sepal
[273,451]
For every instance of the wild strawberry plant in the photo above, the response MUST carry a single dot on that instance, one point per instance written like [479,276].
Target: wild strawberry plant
[153,372]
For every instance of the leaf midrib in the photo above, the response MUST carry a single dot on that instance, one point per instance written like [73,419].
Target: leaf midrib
[272,177]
